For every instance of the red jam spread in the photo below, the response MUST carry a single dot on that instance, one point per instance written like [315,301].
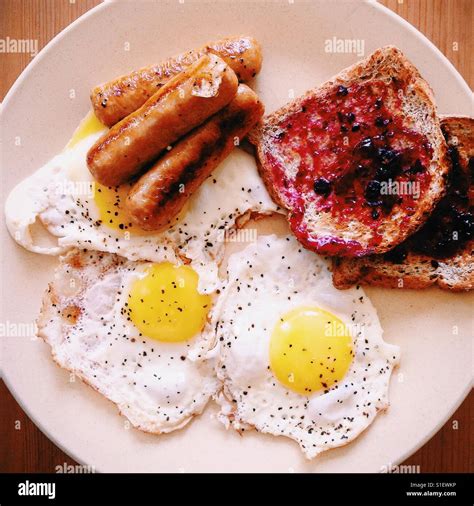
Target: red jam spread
[451,225]
[350,154]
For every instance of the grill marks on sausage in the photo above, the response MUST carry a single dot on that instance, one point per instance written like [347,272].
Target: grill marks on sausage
[227,126]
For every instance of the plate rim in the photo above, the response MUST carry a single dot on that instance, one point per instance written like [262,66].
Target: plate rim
[107,4]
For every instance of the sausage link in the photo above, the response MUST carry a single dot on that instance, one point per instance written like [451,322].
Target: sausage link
[160,194]
[182,104]
[114,100]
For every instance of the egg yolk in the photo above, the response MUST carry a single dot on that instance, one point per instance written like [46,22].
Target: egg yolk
[110,202]
[310,350]
[165,304]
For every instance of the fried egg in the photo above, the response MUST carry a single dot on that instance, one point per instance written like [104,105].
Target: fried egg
[297,357]
[137,332]
[77,211]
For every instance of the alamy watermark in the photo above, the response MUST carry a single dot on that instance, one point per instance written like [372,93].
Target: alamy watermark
[28,46]
[75,188]
[31,488]
[244,235]
[400,469]
[15,329]
[339,329]
[345,46]
[66,468]
[391,187]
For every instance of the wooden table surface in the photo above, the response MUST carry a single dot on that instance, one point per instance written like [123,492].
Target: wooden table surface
[447,23]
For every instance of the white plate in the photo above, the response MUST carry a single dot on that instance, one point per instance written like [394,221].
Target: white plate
[432,328]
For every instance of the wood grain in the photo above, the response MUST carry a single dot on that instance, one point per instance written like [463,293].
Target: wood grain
[39,20]
[447,23]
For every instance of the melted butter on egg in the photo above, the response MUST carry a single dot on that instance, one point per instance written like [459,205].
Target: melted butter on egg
[165,304]
[88,126]
[310,350]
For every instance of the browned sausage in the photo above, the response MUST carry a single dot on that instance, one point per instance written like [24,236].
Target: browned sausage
[160,194]
[182,104]
[114,100]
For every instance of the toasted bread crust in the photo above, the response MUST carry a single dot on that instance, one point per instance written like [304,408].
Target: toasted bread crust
[419,114]
[417,271]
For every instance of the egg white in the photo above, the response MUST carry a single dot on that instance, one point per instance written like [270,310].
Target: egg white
[158,386]
[265,281]
[58,196]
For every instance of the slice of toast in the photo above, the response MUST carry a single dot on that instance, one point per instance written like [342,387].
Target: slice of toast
[331,157]
[441,252]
